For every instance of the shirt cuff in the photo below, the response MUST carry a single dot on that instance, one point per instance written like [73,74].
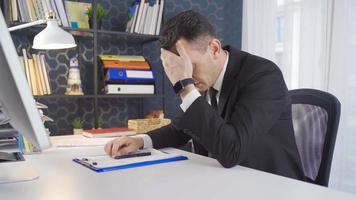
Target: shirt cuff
[147,141]
[189,99]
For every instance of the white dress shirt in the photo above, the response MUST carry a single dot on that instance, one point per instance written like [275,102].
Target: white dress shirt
[190,98]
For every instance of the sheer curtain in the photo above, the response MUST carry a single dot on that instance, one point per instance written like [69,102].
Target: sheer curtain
[342,83]
[314,44]
[256,29]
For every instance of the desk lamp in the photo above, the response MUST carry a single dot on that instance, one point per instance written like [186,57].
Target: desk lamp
[50,38]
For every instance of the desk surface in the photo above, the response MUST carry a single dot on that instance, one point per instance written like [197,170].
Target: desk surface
[197,178]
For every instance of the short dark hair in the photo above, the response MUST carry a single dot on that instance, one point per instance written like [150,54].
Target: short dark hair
[189,25]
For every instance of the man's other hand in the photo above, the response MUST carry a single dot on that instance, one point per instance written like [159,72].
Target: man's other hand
[123,145]
[177,67]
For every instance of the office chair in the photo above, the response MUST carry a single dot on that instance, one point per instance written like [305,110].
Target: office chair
[315,117]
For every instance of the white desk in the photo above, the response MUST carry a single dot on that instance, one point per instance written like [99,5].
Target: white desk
[197,178]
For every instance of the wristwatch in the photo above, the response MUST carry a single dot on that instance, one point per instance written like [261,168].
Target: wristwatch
[180,85]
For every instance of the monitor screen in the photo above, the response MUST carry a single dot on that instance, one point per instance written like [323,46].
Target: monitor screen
[15,94]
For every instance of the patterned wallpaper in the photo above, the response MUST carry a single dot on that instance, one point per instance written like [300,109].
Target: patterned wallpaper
[224,15]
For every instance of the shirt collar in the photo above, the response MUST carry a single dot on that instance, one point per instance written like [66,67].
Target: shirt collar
[218,84]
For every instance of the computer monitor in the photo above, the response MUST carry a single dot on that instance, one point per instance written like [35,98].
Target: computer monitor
[19,104]
[15,95]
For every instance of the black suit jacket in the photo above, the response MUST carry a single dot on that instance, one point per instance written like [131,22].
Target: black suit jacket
[253,126]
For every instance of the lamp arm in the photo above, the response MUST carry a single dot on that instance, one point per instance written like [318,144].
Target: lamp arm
[22,26]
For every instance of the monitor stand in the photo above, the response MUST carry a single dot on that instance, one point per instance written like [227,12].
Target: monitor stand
[14,169]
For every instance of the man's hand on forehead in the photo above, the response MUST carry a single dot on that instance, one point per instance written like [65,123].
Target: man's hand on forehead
[177,66]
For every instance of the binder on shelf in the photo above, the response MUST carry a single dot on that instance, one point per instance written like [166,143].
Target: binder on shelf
[122,57]
[125,74]
[131,81]
[108,64]
[104,163]
[129,89]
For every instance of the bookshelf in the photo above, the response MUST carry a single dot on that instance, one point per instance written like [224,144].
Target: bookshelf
[225,15]
[91,43]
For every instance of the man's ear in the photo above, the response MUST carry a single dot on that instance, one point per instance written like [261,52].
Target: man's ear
[215,47]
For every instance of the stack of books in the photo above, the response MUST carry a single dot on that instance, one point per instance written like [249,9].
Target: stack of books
[69,13]
[145,16]
[127,74]
[35,69]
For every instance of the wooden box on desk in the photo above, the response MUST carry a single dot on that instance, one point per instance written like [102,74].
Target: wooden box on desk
[145,125]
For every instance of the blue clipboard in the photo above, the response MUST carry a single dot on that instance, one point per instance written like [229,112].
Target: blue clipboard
[127,166]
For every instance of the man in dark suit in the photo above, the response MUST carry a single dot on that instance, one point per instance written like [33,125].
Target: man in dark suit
[235,105]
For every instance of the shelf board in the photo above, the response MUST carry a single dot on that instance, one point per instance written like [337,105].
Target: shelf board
[63,96]
[141,37]
[129,95]
[99,96]
[80,32]
[38,28]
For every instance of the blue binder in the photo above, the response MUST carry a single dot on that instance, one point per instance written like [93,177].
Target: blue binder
[93,167]
[123,76]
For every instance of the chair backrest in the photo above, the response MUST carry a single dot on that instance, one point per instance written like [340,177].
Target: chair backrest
[316,117]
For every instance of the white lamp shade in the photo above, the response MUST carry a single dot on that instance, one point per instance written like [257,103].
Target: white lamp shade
[53,37]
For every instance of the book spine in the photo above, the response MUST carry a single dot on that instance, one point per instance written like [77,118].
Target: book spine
[36,9]
[32,77]
[135,18]
[161,6]
[41,75]
[140,11]
[27,68]
[41,9]
[27,145]
[147,20]
[37,75]
[24,11]
[143,18]
[14,10]
[62,13]
[45,7]
[55,10]
[152,29]
[132,11]
[29,7]
[45,74]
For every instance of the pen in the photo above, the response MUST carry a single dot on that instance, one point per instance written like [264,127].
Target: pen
[131,155]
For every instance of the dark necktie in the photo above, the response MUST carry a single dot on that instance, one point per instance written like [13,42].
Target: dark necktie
[213,101]
[198,148]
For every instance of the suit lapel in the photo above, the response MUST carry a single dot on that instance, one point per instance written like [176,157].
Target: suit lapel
[232,69]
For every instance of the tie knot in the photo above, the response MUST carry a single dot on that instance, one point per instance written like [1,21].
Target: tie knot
[213,92]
